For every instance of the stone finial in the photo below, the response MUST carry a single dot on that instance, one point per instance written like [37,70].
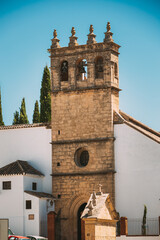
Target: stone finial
[108,34]
[91,36]
[94,198]
[108,27]
[55,33]
[73,32]
[90,208]
[55,40]
[91,29]
[73,38]
[100,189]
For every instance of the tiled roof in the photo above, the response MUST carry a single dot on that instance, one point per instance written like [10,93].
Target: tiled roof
[122,117]
[47,125]
[40,194]
[19,167]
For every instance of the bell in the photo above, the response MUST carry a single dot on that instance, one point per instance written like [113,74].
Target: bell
[82,70]
[100,69]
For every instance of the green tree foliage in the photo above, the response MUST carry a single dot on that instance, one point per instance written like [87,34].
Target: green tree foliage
[16,118]
[23,115]
[45,97]
[36,114]
[1,117]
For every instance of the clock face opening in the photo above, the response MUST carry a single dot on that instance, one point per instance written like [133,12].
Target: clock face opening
[81,157]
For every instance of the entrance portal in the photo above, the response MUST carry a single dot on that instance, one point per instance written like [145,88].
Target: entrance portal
[80,210]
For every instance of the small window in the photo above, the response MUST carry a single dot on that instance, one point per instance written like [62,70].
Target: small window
[28,204]
[64,71]
[34,186]
[7,185]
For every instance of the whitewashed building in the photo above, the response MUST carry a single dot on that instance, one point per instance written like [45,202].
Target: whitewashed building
[25,181]
[31,143]
[22,199]
[137,165]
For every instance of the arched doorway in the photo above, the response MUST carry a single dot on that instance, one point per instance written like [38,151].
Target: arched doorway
[80,210]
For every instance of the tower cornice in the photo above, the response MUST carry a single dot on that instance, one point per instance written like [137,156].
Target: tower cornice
[96,47]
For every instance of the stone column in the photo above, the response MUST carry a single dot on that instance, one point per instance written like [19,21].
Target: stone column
[72,74]
[90,73]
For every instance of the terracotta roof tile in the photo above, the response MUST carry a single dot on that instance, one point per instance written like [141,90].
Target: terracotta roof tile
[19,167]
[17,126]
[40,194]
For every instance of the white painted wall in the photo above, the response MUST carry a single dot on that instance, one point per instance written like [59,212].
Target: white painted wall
[28,180]
[28,144]
[43,217]
[40,208]
[11,203]
[137,178]
[32,227]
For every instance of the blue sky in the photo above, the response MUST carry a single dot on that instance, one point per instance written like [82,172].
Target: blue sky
[26,29]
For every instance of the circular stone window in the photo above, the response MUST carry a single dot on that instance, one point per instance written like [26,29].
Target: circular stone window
[81,157]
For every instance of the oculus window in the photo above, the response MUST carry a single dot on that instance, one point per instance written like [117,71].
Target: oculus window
[81,157]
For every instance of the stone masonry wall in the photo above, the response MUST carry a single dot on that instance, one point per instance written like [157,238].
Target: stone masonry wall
[82,117]
[100,157]
[84,114]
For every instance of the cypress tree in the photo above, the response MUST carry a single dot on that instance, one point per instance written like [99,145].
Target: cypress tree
[23,115]
[45,97]
[36,114]
[16,118]
[144,221]
[1,117]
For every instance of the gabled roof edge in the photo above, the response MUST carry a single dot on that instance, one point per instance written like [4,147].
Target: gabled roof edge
[121,117]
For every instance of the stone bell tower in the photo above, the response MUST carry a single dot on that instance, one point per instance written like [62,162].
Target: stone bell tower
[85,91]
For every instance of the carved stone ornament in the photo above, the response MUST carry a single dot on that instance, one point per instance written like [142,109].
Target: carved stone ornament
[91,29]
[55,33]
[108,27]
[55,40]
[73,32]
[91,36]
[108,34]
[100,189]
[73,38]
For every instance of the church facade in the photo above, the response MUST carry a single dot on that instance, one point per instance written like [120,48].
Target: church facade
[85,93]
[93,142]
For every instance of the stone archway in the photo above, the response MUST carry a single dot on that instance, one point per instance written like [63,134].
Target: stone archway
[79,213]
[75,206]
